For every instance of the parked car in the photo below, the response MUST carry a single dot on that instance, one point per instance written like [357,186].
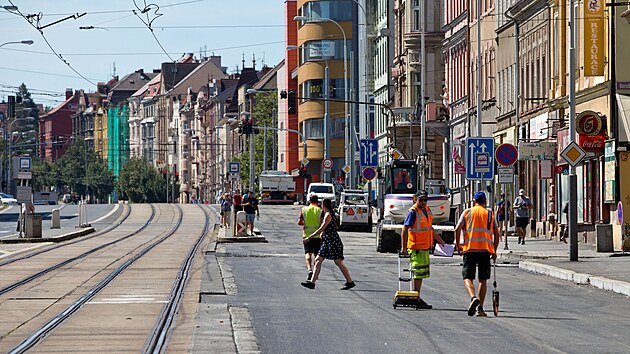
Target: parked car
[7,199]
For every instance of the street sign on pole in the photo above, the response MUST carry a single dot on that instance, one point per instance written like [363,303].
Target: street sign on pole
[304,161]
[327,163]
[506,154]
[369,153]
[506,175]
[479,159]
[234,167]
[573,154]
[369,173]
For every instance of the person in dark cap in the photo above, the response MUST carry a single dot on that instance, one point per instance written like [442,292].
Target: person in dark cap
[481,239]
[416,239]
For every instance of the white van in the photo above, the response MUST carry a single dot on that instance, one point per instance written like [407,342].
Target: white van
[323,191]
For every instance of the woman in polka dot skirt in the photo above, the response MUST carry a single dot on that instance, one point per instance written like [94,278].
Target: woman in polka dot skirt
[331,248]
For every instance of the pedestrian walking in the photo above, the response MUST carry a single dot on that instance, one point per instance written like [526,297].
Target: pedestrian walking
[416,239]
[331,248]
[250,206]
[522,204]
[237,200]
[481,239]
[502,211]
[565,231]
[226,207]
[310,219]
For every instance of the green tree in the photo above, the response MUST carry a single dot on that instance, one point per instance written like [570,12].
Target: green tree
[43,176]
[139,182]
[81,170]
[264,104]
[24,129]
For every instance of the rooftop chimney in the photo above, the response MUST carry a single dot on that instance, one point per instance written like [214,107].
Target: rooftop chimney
[68,93]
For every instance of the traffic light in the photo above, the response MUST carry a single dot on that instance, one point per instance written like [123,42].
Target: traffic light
[291,102]
[247,126]
[283,94]
[303,172]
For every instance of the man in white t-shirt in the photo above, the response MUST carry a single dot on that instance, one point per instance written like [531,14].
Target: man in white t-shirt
[522,204]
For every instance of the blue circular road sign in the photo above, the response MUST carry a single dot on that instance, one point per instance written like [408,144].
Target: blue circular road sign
[506,154]
[369,173]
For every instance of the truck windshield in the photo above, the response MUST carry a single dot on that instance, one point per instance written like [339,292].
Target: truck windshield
[404,180]
[321,189]
[355,199]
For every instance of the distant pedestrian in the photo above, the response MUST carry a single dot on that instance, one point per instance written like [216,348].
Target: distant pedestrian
[250,206]
[522,204]
[565,231]
[502,211]
[310,219]
[331,248]
[416,239]
[237,200]
[481,239]
[226,207]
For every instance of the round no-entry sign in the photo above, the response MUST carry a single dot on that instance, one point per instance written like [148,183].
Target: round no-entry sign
[369,173]
[506,154]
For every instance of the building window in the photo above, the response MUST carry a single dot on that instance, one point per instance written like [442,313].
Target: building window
[334,10]
[314,128]
[314,88]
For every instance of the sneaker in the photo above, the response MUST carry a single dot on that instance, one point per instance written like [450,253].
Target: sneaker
[308,284]
[423,305]
[523,242]
[481,312]
[348,286]
[310,275]
[474,302]
[519,240]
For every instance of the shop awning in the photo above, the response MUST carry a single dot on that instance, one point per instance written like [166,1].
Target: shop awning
[623,102]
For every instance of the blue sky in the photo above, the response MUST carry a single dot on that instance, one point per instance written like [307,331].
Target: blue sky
[227,28]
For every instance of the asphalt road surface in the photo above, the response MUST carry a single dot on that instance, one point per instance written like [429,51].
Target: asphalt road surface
[538,314]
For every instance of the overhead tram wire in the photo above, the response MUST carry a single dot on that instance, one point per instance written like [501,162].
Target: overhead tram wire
[41,32]
[149,22]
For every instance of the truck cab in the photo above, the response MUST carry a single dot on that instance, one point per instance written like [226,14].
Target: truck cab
[323,191]
[354,210]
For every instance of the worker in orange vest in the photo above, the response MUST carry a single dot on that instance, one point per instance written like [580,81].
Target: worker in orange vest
[416,239]
[481,239]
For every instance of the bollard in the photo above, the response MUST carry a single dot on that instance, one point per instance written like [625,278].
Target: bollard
[241,229]
[56,219]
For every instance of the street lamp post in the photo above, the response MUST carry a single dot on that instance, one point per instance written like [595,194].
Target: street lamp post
[349,143]
[326,90]
[27,42]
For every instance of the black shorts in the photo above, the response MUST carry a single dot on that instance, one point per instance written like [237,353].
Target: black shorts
[522,222]
[474,260]
[313,245]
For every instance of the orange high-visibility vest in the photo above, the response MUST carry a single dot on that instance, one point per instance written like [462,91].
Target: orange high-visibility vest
[478,235]
[421,233]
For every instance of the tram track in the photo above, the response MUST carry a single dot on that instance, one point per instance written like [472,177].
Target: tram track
[68,243]
[30,278]
[155,338]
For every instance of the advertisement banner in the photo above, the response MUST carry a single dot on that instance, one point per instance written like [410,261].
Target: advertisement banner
[593,49]
[609,172]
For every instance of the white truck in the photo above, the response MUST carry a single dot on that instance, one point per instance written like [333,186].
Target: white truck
[276,187]
[323,191]
[354,210]
[399,186]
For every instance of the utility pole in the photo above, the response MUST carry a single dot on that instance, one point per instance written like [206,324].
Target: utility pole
[573,246]
[326,123]
[423,117]
[478,11]
[265,149]
[274,152]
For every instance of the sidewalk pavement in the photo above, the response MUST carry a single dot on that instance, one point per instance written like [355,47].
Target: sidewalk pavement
[608,271]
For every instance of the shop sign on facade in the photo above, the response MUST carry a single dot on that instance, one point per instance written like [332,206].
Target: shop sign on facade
[591,132]
[539,127]
[542,150]
[609,172]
